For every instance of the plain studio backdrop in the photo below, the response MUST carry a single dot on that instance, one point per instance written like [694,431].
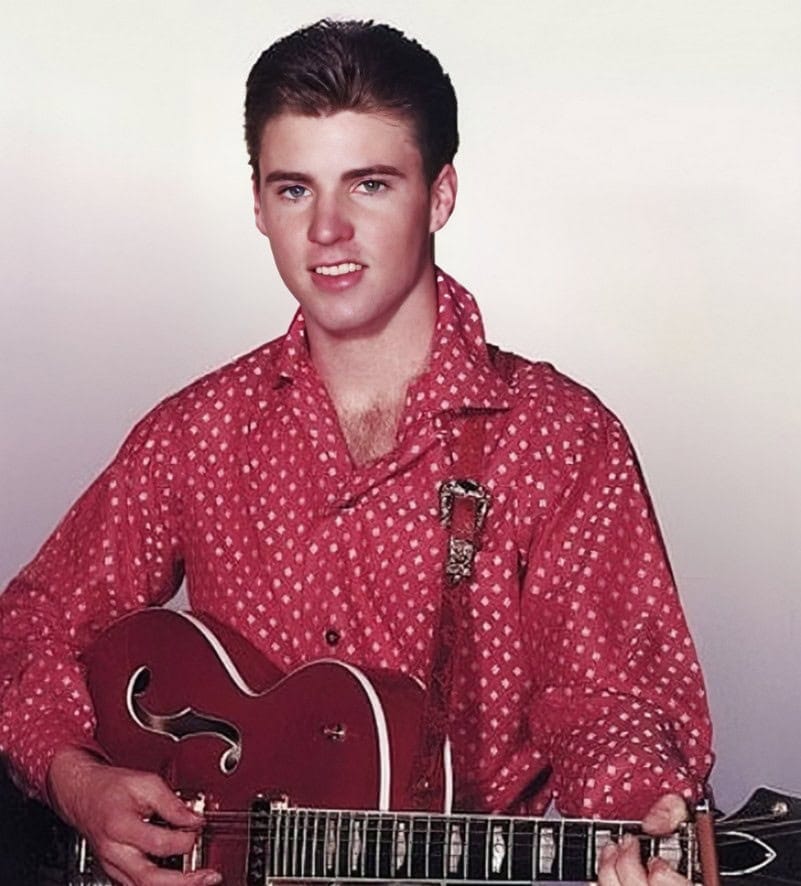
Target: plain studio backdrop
[629,209]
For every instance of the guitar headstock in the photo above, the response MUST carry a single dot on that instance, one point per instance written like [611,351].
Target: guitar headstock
[762,840]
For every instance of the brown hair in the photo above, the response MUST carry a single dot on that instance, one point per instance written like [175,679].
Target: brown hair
[354,65]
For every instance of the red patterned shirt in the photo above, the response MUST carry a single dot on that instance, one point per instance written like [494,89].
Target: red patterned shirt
[576,674]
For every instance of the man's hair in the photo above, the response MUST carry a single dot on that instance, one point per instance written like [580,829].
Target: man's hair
[358,66]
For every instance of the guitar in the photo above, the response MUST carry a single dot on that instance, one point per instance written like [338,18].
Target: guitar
[306,777]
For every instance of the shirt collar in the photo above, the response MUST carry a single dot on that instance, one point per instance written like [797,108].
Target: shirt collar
[459,375]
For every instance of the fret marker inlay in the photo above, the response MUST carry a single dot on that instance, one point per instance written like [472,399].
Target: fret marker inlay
[547,854]
[455,850]
[498,849]
[400,846]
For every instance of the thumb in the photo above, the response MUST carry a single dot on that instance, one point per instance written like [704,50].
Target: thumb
[665,815]
[160,800]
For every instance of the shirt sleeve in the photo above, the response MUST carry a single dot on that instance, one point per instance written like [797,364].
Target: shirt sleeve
[619,700]
[117,550]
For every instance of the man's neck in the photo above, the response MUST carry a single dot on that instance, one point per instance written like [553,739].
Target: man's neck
[367,376]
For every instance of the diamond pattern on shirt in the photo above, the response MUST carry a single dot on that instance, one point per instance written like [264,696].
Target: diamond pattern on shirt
[575,670]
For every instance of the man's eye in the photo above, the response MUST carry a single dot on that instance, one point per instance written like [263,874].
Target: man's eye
[372,186]
[294,192]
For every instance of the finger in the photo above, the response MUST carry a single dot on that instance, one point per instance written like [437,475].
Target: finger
[607,875]
[117,875]
[132,868]
[665,815]
[660,873]
[154,796]
[159,840]
[628,864]
[162,877]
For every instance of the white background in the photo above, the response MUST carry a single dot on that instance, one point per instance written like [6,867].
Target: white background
[630,209]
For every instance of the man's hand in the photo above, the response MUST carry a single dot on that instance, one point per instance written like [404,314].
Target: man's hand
[109,806]
[620,862]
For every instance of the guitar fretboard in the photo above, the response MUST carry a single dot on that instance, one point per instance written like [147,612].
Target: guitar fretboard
[313,844]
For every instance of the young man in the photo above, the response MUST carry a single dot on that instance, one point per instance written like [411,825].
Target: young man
[298,489]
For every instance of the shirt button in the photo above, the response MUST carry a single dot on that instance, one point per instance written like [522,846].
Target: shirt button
[332,636]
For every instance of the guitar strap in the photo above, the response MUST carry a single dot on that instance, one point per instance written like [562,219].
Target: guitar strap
[464,503]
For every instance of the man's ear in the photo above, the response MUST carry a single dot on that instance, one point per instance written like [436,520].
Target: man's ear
[443,197]
[257,207]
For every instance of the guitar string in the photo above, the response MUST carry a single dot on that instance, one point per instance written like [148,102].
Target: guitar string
[757,824]
[236,823]
[570,855]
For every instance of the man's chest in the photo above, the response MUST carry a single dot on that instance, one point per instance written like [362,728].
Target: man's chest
[310,556]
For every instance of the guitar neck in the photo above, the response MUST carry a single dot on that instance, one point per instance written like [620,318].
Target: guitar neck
[313,844]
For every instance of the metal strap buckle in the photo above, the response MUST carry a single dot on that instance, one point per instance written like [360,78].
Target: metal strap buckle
[462,550]
[453,489]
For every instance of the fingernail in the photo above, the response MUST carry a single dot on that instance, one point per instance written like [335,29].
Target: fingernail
[213,879]
[626,841]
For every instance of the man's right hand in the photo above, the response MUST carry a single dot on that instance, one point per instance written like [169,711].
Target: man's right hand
[110,807]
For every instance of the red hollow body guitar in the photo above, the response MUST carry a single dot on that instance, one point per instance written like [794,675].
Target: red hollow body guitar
[306,777]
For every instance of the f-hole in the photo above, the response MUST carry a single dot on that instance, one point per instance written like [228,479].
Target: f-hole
[182,724]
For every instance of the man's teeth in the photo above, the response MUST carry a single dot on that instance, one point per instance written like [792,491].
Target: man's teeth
[347,267]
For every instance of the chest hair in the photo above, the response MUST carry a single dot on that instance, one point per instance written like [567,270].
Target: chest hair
[370,432]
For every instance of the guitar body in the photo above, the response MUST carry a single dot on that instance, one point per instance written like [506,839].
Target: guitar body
[306,777]
[215,718]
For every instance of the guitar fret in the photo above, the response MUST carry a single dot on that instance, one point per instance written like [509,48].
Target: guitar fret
[350,847]
[295,841]
[447,842]
[326,858]
[523,836]
[393,853]
[274,842]
[439,843]
[487,840]
[365,826]
[510,865]
[465,847]
[415,850]
[305,844]
[576,842]
[378,829]
[428,848]
[342,849]
[690,865]
[314,844]
[287,840]
[476,852]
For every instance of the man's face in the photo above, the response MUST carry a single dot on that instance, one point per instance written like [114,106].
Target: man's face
[349,214]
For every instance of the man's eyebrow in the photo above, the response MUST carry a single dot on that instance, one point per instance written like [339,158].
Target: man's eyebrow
[378,169]
[279,175]
[283,175]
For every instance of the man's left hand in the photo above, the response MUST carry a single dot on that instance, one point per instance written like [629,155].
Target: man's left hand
[620,862]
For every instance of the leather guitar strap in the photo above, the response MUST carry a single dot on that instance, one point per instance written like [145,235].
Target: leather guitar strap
[464,503]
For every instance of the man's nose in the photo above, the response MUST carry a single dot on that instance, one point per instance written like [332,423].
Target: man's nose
[330,223]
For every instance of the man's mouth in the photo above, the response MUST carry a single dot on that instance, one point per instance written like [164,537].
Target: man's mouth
[345,267]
